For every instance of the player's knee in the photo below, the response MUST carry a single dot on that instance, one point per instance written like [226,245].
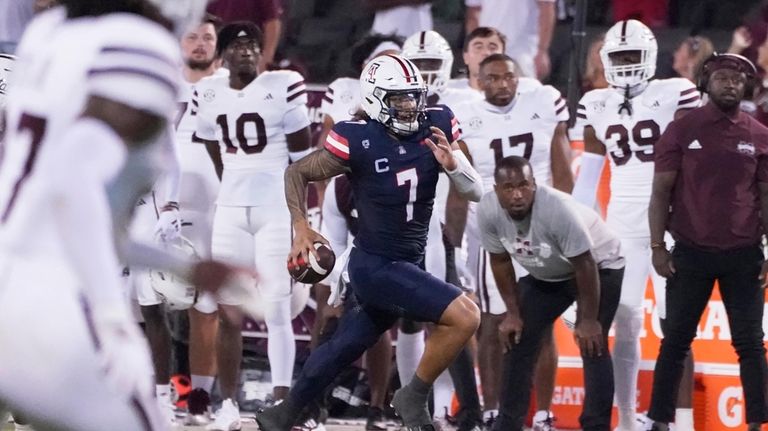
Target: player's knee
[230,318]
[463,314]
[278,312]
[628,322]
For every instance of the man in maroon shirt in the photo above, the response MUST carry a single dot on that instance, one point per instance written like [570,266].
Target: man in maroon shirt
[710,190]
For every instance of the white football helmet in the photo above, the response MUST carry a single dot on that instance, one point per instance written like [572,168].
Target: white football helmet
[184,14]
[433,56]
[388,76]
[176,293]
[6,66]
[629,35]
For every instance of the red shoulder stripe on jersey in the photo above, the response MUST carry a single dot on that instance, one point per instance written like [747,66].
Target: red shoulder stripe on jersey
[562,108]
[455,129]
[580,115]
[330,90]
[559,100]
[408,76]
[330,146]
[582,107]
[687,92]
[194,102]
[327,99]
[295,85]
[695,98]
[340,139]
[293,96]
[338,145]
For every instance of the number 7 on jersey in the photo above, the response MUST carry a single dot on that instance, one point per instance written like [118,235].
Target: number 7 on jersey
[409,178]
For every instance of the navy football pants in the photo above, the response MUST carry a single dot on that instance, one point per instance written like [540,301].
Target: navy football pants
[381,291]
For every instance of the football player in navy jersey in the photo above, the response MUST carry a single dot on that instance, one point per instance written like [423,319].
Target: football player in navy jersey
[392,160]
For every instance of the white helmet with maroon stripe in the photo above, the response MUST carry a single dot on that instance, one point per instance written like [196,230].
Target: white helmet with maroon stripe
[393,93]
[629,35]
[432,55]
[175,292]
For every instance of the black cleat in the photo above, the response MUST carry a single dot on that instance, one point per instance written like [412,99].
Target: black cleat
[376,420]
[279,417]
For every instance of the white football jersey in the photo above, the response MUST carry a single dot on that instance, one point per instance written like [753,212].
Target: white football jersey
[525,129]
[199,183]
[121,57]
[524,84]
[341,99]
[629,139]
[250,126]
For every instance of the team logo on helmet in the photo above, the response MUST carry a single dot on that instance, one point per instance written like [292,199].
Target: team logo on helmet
[372,72]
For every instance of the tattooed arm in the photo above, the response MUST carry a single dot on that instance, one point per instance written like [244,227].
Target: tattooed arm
[319,165]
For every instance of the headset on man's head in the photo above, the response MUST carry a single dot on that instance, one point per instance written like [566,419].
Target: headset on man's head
[728,61]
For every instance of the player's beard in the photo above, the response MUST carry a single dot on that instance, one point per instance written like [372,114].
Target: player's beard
[200,65]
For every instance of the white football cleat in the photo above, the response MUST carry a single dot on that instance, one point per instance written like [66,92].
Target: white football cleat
[227,417]
[642,423]
[543,421]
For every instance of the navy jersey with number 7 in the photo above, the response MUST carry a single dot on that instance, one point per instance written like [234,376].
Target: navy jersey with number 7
[393,181]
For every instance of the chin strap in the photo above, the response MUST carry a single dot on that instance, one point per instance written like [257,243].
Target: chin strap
[627,103]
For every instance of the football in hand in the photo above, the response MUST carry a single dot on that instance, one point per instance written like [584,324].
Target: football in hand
[317,268]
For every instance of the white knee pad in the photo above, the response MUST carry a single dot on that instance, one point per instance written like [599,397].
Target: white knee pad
[628,323]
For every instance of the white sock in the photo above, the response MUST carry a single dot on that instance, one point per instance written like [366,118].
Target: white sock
[684,419]
[442,391]
[410,348]
[627,419]
[490,414]
[163,392]
[541,415]
[203,382]
[281,344]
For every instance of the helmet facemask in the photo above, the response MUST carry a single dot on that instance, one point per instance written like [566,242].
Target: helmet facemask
[629,54]
[629,68]
[405,109]
[434,72]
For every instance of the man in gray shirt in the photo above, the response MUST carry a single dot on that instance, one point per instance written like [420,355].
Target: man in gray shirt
[570,254]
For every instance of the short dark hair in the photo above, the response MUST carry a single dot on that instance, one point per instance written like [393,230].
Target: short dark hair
[214,20]
[485,32]
[512,163]
[364,48]
[496,57]
[234,30]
